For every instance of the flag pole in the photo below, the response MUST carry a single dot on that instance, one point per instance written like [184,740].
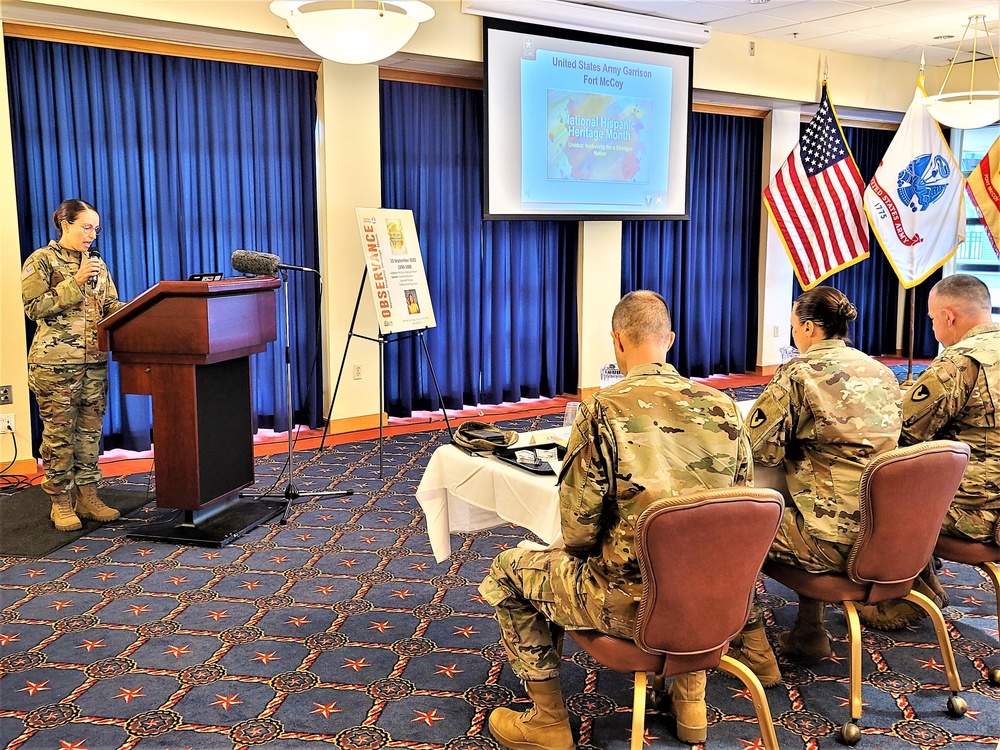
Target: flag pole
[909,363]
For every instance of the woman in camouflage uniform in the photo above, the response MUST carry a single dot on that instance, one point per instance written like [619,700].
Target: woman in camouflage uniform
[824,416]
[66,293]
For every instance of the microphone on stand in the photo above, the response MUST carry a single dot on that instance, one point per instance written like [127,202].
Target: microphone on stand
[93,252]
[262,264]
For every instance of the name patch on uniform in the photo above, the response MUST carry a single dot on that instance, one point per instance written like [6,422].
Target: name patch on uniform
[28,270]
[920,393]
[757,418]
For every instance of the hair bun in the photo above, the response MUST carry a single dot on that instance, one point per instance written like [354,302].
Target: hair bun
[847,310]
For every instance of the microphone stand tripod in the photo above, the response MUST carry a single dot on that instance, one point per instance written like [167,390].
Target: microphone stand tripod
[291,492]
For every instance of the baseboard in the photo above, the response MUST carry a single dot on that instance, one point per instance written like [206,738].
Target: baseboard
[765,369]
[353,424]
[24,467]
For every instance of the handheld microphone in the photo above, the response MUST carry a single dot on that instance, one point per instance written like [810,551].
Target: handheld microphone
[258,264]
[93,252]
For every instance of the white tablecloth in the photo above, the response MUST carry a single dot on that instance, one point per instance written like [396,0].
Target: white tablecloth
[462,492]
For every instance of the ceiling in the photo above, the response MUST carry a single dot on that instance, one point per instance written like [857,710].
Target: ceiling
[893,29]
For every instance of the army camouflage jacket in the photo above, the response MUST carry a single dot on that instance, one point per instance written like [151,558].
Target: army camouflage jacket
[654,431]
[958,398]
[825,415]
[67,315]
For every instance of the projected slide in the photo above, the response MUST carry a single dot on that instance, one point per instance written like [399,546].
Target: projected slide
[594,132]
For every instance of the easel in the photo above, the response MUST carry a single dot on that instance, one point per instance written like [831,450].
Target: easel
[381,340]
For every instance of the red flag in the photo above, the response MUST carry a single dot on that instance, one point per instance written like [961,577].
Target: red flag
[815,201]
[984,189]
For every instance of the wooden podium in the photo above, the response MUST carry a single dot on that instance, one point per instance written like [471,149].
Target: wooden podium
[188,345]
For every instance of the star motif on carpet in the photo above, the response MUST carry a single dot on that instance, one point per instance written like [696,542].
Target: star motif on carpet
[143,552]
[31,573]
[210,555]
[226,701]
[468,631]
[138,609]
[278,559]
[325,709]
[355,664]
[501,545]
[418,566]
[832,656]
[972,600]
[265,658]
[178,580]
[946,573]
[58,605]
[386,519]
[325,590]
[298,621]
[303,537]
[368,539]
[78,548]
[324,518]
[350,563]
[757,744]
[974,715]
[381,626]
[105,576]
[91,645]
[34,687]
[216,614]
[450,671]
[249,585]
[5,639]
[478,598]
[402,593]
[127,695]
[930,664]
[67,745]
[428,717]
[742,693]
[177,651]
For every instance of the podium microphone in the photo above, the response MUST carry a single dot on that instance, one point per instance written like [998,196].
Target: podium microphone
[257,264]
[262,264]
[93,252]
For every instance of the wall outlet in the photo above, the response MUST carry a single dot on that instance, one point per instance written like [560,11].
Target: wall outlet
[6,394]
[777,332]
[6,423]
[751,49]
[357,372]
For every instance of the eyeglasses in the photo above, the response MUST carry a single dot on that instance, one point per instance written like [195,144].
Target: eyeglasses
[88,228]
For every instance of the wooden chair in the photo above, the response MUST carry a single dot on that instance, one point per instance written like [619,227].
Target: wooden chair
[983,556]
[905,494]
[700,554]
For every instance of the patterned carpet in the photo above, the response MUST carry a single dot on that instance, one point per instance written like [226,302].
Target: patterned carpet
[339,629]
[747,392]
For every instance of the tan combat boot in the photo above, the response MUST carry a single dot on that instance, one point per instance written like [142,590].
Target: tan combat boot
[750,648]
[544,726]
[88,505]
[687,699]
[894,614]
[808,639]
[62,514]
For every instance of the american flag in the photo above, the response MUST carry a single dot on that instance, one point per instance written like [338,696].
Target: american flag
[815,201]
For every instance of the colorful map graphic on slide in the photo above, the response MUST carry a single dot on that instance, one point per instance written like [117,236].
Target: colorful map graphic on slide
[598,137]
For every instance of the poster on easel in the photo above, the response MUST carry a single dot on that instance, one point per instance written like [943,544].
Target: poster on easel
[395,269]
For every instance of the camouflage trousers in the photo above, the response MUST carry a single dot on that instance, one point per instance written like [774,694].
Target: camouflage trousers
[534,594]
[794,545]
[71,402]
[965,522]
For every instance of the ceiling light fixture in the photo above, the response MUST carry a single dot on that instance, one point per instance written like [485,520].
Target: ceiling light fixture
[352,34]
[967,109]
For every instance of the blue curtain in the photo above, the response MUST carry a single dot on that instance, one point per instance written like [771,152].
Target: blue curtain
[504,293]
[186,161]
[706,267]
[871,285]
